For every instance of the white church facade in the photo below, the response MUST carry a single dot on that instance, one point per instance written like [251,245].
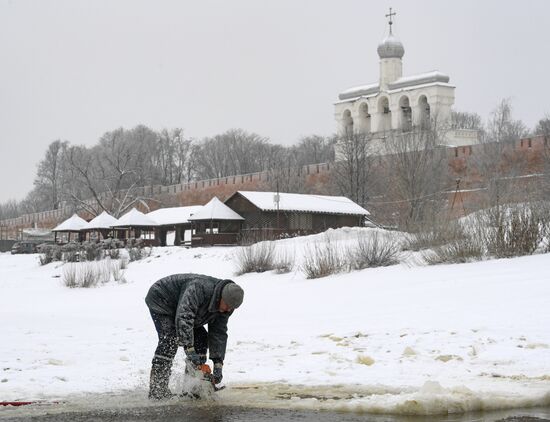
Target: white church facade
[397,103]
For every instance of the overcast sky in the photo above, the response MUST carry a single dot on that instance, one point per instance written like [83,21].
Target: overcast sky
[73,70]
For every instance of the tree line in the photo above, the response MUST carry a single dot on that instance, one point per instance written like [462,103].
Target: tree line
[124,160]
[414,171]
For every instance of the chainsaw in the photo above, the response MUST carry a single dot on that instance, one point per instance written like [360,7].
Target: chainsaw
[206,373]
[199,382]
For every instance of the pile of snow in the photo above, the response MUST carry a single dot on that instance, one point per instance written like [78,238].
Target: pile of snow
[405,339]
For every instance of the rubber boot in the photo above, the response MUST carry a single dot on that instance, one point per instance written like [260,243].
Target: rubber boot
[160,377]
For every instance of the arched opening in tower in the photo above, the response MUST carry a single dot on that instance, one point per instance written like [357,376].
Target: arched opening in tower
[365,117]
[385,114]
[348,123]
[406,114]
[424,109]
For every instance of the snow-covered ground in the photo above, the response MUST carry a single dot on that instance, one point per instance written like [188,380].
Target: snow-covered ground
[404,339]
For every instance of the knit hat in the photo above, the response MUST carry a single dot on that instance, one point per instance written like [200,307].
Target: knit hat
[232,295]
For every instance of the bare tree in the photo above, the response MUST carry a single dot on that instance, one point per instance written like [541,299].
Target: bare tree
[51,175]
[543,126]
[232,152]
[466,120]
[9,209]
[495,158]
[501,127]
[110,173]
[353,167]
[417,171]
[543,129]
[314,149]
[284,171]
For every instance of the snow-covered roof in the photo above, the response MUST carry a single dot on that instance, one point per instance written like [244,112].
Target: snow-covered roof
[135,218]
[175,215]
[419,79]
[215,210]
[71,224]
[358,91]
[304,203]
[102,221]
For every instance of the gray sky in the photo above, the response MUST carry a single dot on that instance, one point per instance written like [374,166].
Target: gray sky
[73,70]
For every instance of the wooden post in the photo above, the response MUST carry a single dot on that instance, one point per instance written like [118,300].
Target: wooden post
[177,238]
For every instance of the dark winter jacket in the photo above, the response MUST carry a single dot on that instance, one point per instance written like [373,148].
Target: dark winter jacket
[193,300]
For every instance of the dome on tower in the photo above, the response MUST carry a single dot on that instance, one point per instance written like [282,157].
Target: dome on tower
[390,48]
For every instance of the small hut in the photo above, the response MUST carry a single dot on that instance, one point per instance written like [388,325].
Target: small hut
[100,227]
[136,225]
[215,224]
[71,225]
[173,224]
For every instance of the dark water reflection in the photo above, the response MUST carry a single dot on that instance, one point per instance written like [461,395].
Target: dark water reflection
[214,413]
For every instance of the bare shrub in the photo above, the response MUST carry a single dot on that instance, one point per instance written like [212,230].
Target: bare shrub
[88,275]
[373,250]
[70,273]
[285,261]
[104,270]
[123,263]
[91,251]
[134,254]
[117,271]
[44,259]
[258,258]
[49,253]
[513,230]
[81,274]
[322,259]
[71,252]
[137,251]
[456,252]
[113,253]
[434,235]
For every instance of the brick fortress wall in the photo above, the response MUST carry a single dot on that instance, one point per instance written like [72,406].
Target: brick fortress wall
[315,177]
[318,178]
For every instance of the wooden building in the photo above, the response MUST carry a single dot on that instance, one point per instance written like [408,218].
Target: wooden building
[136,225]
[271,214]
[101,227]
[174,220]
[71,226]
[215,224]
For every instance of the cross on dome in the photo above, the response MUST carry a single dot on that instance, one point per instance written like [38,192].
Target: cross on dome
[390,15]
[390,47]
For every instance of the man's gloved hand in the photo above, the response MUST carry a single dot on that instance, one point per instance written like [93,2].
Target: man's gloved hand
[192,355]
[217,373]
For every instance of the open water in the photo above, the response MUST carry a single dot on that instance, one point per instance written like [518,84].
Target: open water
[191,412]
